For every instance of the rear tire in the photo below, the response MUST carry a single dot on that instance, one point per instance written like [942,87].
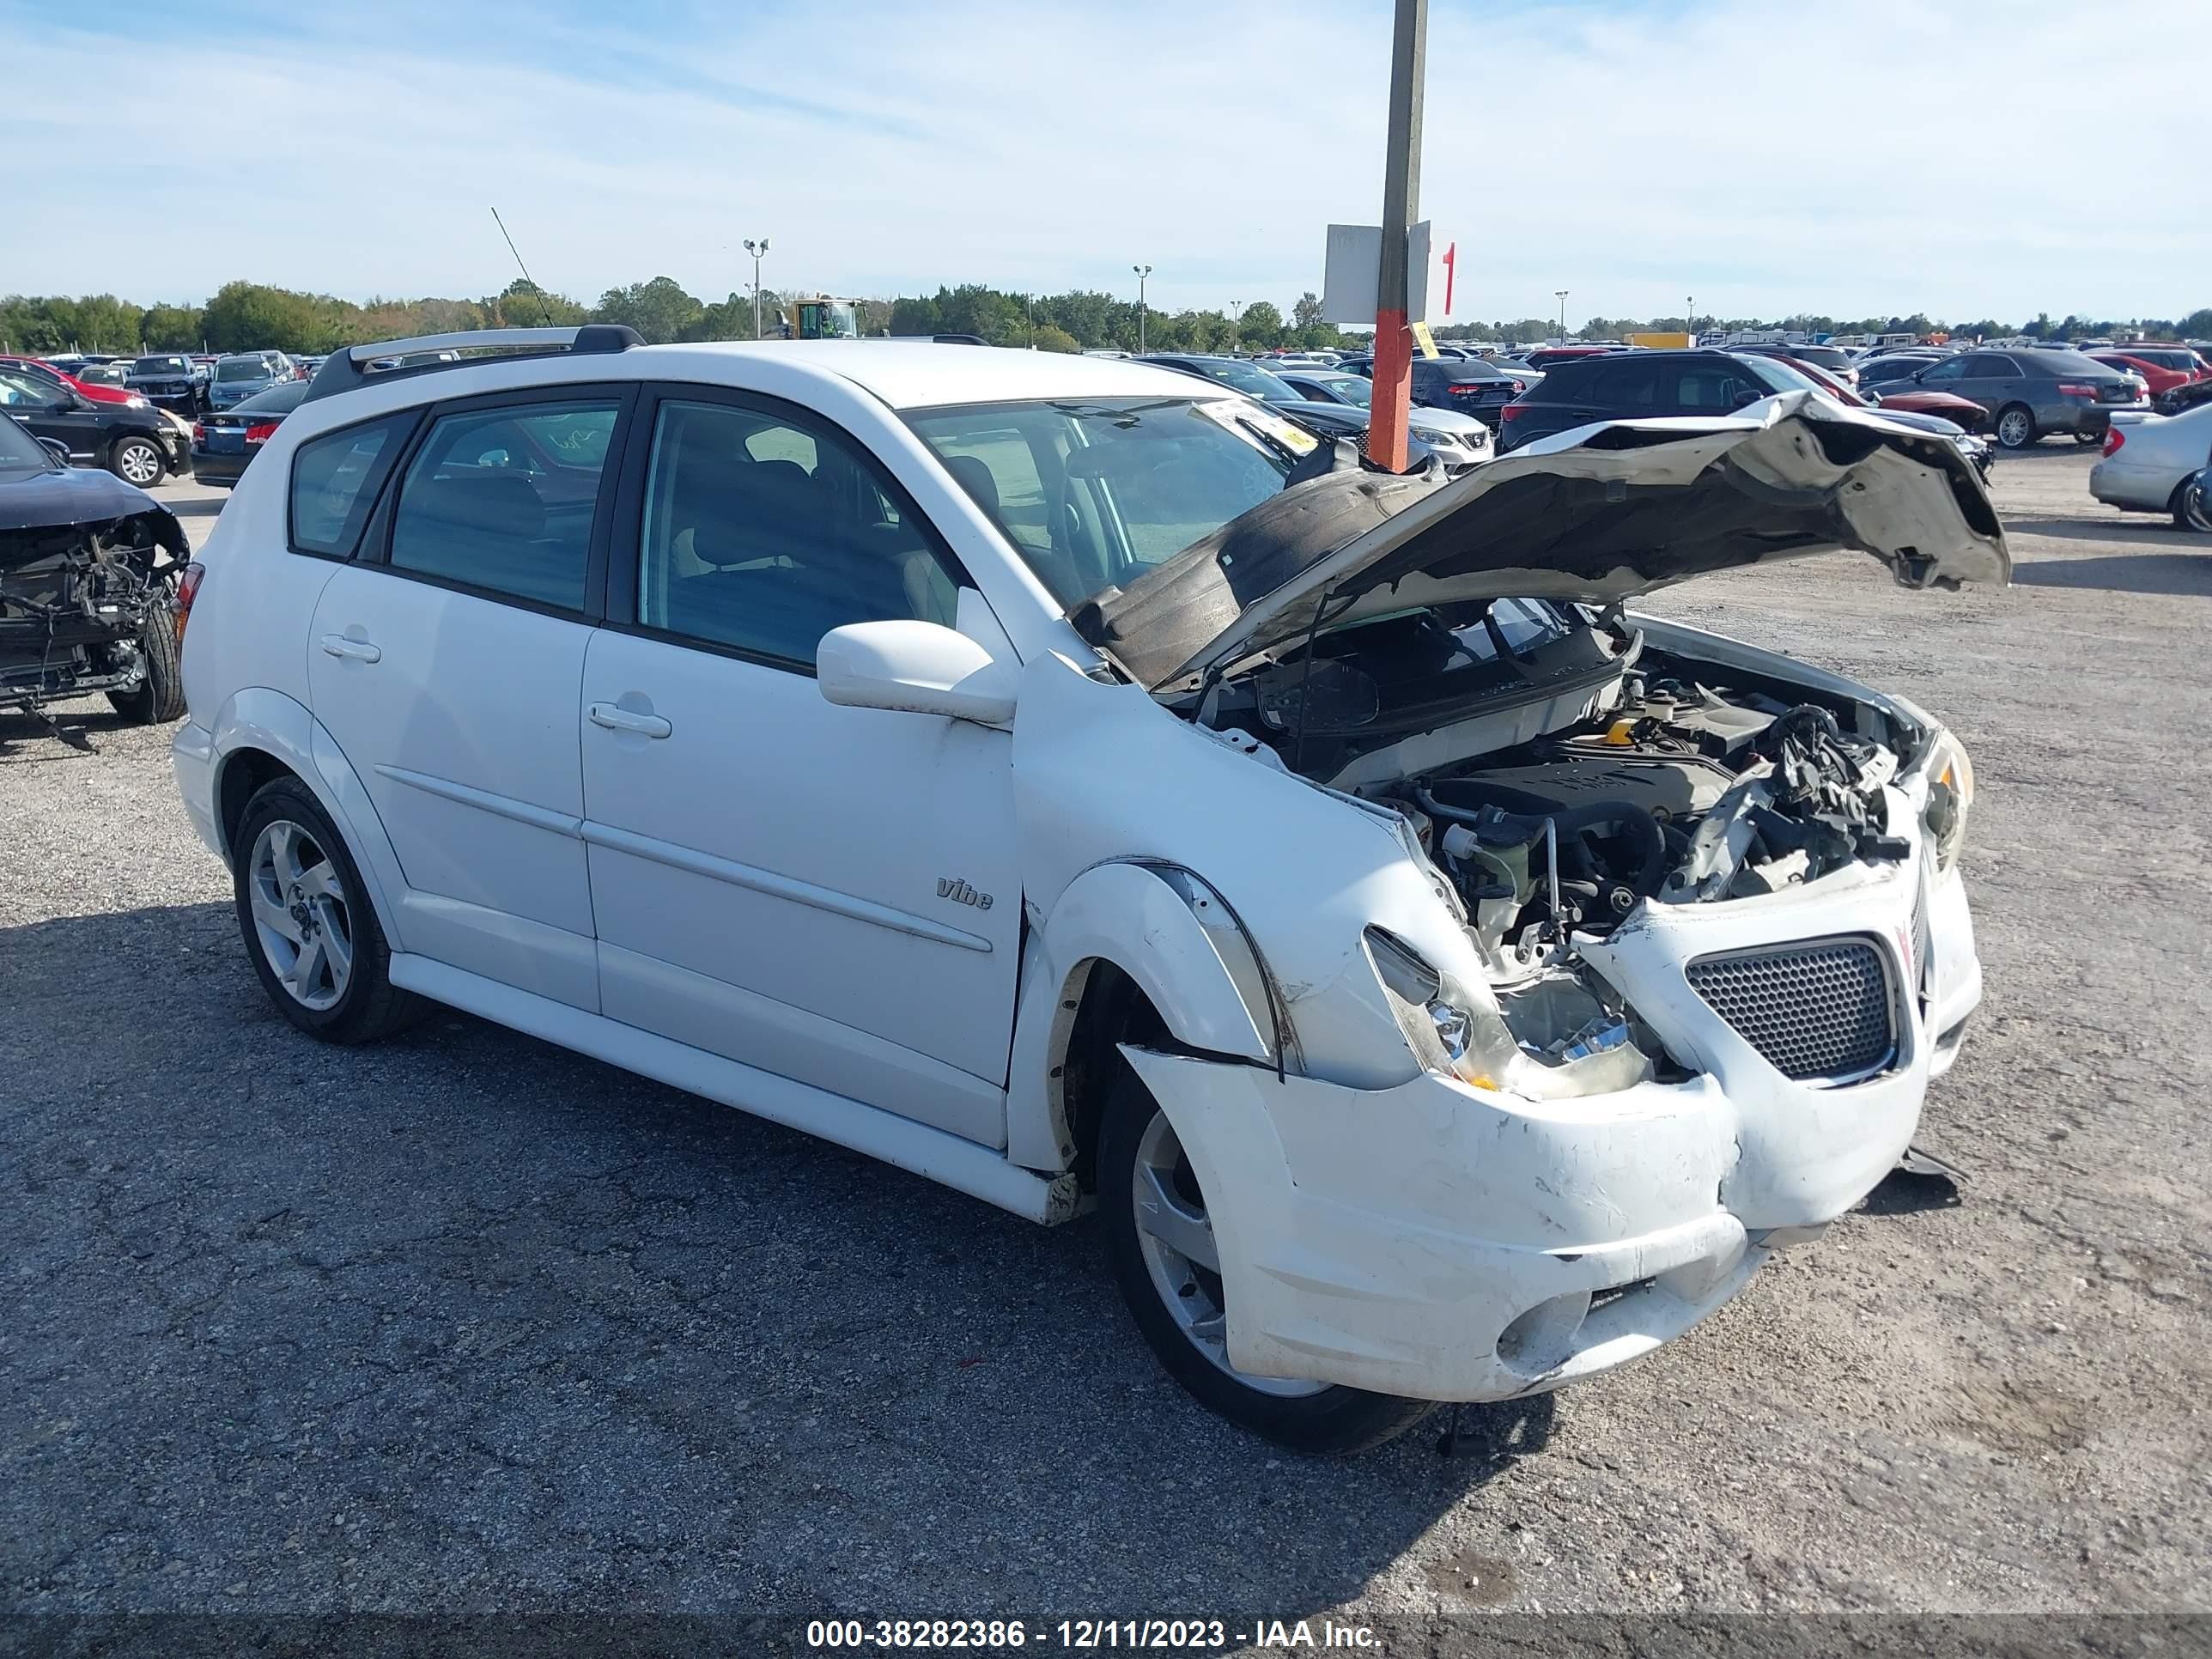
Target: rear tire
[137,461]
[2085,438]
[308,925]
[1317,1419]
[2016,427]
[2192,503]
[159,697]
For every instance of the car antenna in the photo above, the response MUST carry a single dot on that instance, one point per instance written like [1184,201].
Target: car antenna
[544,310]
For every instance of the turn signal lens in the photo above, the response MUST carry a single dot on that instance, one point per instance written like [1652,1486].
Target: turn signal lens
[188,588]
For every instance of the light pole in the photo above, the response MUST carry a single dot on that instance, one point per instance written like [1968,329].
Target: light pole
[758,250]
[1031,300]
[1235,317]
[1143,271]
[1691,301]
[1560,294]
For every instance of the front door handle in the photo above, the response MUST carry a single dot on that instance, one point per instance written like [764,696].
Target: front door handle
[617,719]
[337,645]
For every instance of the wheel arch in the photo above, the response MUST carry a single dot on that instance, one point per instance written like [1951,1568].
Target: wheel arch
[1134,950]
[262,734]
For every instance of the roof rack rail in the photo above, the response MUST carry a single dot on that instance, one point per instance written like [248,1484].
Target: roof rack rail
[363,365]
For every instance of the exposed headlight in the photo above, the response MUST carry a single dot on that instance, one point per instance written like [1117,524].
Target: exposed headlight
[1950,793]
[1464,1031]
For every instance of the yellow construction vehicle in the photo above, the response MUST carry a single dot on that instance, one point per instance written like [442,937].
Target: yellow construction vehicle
[822,318]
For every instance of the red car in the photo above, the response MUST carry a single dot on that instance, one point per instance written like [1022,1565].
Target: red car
[2159,378]
[1961,411]
[46,371]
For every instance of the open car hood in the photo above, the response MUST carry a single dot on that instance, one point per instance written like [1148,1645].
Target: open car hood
[1598,515]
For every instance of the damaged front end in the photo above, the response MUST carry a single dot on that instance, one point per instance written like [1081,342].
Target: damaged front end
[78,600]
[1677,938]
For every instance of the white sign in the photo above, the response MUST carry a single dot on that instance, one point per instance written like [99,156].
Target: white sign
[1352,274]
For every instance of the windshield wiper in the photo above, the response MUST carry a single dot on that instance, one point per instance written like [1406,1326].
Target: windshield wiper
[1110,412]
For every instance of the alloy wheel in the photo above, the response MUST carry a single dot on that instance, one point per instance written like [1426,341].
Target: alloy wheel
[300,913]
[139,465]
[2016,429]
[1176,1238]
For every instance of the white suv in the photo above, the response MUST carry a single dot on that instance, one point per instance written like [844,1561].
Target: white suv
[1070,782]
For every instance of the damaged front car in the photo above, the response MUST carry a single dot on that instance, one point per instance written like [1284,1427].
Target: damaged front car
[1580,960]
[90,570]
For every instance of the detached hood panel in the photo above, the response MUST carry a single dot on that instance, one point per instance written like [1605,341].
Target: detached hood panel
[1597,516]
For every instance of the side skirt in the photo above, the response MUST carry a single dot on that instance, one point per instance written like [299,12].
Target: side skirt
[963,1165]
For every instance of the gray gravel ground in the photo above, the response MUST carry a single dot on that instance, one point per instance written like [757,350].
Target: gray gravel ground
[465,1322]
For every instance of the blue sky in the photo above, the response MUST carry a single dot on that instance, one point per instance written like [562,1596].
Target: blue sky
[1763,155]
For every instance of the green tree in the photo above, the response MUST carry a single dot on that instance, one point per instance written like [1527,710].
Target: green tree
[170,328]
[523,304]
[1262,326]
[1049,338]
[915,315]
[1305,312]
[660,309]
[251,317]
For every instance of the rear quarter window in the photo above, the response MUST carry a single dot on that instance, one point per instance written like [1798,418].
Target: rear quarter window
[335,481]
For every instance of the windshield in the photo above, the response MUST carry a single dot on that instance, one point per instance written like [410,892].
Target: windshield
[18,448]
[1094,492]
[1350,387]
[1777,376]
[1249,378]
[160,366]
[241,368]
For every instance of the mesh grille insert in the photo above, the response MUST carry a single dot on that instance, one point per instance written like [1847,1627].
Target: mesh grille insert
[1821,1009]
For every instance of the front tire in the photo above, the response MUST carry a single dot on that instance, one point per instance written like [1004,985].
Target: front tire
[307,922]
[137,461]
[2016,427]
[1159,1245]
[159,697]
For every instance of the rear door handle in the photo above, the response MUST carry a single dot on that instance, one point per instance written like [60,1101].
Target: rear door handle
[617,719]
[337,645]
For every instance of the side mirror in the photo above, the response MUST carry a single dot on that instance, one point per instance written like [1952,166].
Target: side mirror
[920,667]
[56,448]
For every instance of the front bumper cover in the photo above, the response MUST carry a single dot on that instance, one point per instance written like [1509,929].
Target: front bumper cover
[1442,1242]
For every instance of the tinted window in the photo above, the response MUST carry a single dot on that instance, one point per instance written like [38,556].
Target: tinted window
[1989,365]
[160,366]
[1945,372]
[335,479]
[1711,388]
[765,531]
[241,368]
[503,499]
[280,399]
[1629,385]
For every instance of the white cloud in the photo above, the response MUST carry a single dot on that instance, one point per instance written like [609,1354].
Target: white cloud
[1887,155]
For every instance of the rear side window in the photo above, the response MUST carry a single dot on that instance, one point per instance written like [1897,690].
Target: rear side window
[503,499]
[1563,383]
[335,480]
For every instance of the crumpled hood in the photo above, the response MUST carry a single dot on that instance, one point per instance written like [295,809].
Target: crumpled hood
[1597,516]
[55,500]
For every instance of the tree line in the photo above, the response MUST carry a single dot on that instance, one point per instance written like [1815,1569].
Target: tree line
[251,316]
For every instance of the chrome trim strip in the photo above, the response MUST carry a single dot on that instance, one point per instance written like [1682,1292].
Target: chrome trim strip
[783,887]
[504,806]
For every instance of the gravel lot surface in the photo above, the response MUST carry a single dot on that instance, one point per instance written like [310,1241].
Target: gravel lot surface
[464,1321]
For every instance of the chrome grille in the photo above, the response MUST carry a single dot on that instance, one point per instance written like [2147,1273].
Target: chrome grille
[1820,1011]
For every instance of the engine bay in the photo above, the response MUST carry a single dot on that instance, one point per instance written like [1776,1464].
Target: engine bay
[1564,773]
[1677,791]
[76,601]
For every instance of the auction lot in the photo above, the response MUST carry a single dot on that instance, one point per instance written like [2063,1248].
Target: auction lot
[464,1321]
